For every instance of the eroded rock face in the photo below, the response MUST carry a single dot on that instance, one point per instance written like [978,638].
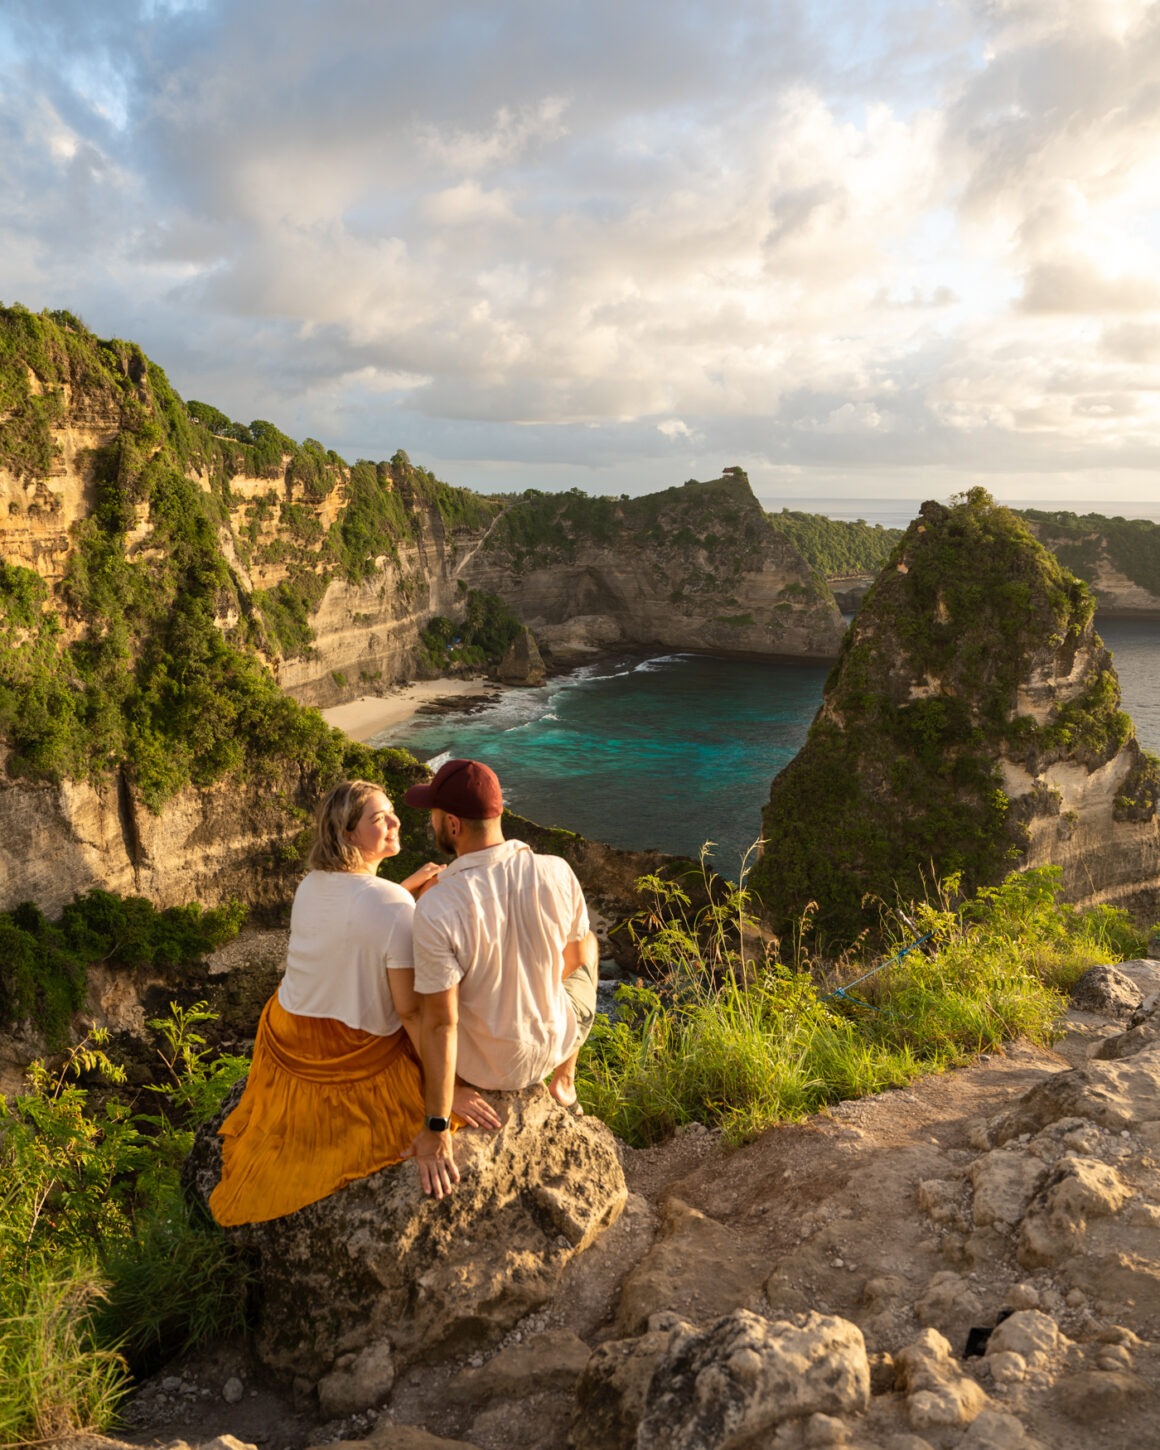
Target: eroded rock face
[234,839]
[377,1275]
[1085,547]
[972,724]
[744,1375]
[696,567]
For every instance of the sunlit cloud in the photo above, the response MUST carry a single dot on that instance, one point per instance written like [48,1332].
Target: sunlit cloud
[835,246]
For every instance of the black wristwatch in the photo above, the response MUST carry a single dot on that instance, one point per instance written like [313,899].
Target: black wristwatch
[437,1125]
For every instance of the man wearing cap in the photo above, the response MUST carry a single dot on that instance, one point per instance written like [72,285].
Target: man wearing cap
[505,962]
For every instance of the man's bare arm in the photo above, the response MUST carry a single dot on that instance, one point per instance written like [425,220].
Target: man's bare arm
[439,1021]
[582,953]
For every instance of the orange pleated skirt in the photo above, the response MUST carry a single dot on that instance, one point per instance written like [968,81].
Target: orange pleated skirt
[324,1105]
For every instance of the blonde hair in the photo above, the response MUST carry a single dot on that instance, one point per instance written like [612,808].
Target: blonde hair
[338,812]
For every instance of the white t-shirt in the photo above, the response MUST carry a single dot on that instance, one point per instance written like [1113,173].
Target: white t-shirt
[346,929]
[496,924]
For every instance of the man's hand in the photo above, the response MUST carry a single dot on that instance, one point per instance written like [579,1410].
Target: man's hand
[476,1111]
[433,1153]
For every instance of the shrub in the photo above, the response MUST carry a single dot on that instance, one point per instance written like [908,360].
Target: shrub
[103,1267]
[43,965]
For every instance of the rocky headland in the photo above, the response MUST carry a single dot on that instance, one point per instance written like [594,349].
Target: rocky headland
[696,567]
[971,727]
[1118,558]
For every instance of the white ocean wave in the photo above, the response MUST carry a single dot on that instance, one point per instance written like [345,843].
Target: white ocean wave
[650,667]
[527,724]
[594,673]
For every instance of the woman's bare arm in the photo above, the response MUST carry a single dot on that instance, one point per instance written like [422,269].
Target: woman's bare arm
[426,876]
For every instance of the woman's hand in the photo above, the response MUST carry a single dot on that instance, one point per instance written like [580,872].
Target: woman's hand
[423,879]
[475,1111]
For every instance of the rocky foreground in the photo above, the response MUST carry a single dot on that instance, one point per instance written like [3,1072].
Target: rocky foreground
[974,1262]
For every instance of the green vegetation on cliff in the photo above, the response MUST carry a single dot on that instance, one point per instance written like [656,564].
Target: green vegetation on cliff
[1079,540]
[481,638]
[719,518]
[383,510]
[898,782]
[146,663]
[44,964]
[837,547]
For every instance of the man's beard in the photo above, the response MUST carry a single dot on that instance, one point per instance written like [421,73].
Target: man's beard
[444,839]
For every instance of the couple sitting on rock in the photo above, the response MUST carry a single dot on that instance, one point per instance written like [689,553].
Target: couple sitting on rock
[489,981]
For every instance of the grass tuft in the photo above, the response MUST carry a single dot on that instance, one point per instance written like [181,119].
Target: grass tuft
[732,1037]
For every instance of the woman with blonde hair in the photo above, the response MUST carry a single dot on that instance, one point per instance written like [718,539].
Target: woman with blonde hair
[334,1091]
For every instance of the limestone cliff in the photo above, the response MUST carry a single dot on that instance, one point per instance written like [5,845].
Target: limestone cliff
[152,572]
[172,582]
[329,571]
[695,567]
[234,839]
[972,725]
[1118,558]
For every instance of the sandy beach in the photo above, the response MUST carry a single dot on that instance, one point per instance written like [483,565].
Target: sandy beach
[367,716]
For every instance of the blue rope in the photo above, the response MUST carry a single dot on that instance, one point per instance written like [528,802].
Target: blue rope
[840,992]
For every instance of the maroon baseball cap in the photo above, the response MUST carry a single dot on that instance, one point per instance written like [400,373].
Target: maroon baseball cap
[466,788]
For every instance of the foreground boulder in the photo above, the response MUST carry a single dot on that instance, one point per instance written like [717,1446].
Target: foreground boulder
[376,1276]
[744,1375]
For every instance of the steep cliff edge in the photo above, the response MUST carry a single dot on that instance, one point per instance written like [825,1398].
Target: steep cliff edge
[145,744]
[694,567]
[972,724]
[1119,558]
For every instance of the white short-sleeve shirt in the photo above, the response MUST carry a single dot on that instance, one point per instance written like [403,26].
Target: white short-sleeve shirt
[346,929]
[496,924]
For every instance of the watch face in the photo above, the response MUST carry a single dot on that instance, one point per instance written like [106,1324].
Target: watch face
[438,1125]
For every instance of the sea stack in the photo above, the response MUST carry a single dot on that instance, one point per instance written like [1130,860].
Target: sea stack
[972,724]
[522,664]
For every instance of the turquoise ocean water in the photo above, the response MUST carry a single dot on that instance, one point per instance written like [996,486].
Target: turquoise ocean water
[667,752]
[677,750]
[680,749]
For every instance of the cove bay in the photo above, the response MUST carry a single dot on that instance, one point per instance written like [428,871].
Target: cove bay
[676,750]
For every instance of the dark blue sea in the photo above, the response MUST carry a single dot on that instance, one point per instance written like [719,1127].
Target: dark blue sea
[678,750]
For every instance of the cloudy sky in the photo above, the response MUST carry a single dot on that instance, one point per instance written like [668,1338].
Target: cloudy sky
[862,249]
